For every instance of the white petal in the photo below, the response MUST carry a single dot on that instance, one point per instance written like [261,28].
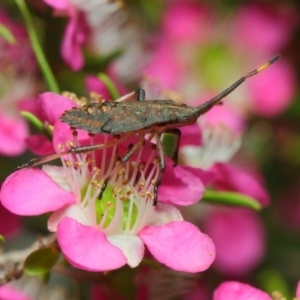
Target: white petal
[73,211]
[132,246]
[163,214]
[58,175]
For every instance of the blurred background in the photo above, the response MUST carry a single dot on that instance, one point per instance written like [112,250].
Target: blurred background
[189,51]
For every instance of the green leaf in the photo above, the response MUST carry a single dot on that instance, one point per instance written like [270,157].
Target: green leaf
[7,35]
[40,261]
[109,85]
[2,238]
[231,198]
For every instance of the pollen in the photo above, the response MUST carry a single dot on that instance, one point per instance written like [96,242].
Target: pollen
[129,192]
[96,170]
[68,163]
[125,181]
[141,184]
[78,164]
[121,171]
[69,144]
[96,98]
[153,181]
[95,183]
[141,167]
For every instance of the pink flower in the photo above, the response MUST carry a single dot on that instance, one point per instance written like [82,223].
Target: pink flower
[238,233]
[10,223]
[278,24]
[15,60]
[111,232]
[239,237]
[232,290]
[105,27]
[196,60]
[7,292]
[75,35]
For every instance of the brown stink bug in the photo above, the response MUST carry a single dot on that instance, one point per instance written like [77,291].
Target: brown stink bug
[123,118]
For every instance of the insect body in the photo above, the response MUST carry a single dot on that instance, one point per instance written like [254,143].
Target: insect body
[120,117]
[140,117]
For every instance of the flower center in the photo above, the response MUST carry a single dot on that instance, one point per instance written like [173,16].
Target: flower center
[126,203]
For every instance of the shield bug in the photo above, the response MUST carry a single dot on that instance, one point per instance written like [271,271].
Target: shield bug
[123,118]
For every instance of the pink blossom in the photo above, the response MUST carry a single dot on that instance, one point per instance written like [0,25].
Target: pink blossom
[230,178]
[50,108]
[232,290]
[238,233]
[278,24]
[7,292]
[115,229]
[298,290]
[239,238]
[15,60]
[10,223]
[75,35]
[196,61]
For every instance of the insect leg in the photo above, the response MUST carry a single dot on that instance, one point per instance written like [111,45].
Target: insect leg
[82,149]
[177,133]
[161,165]
[138,94]
[122,161]
[203,108]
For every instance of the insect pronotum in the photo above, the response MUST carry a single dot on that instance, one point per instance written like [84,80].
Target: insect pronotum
[123,118]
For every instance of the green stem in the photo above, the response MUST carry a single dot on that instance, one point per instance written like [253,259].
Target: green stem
[231,198]
[6,33]
[109,85]
[49,77]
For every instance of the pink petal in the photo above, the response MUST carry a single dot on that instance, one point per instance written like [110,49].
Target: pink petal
[278,25]
[13,131]
[230,178]
[163,214]
[239,238]
[165,65]
[58,4]
[74,37]
[87,248]
[32,192]
[270,101]
[75,212]
[187,22]
[232,290]
[298,290]
[10,223]
[39,144]
[62,133]
[226,116]
[191,135]
[132,247]
[179,245]
[94,84]
[8,292]
[54,105]
[183,186]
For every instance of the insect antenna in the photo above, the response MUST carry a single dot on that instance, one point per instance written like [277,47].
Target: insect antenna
[203,108]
